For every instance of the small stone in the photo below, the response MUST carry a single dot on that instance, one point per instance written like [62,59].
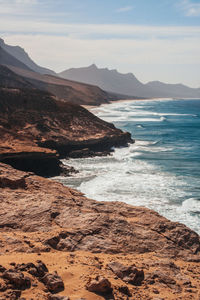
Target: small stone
[125,290]
[54,297]
[155,291]
[128,274]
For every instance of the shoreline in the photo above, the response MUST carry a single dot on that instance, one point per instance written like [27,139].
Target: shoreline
[105,110]
[91,107]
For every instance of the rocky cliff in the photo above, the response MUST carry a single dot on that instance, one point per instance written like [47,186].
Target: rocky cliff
[57,244]
[35,127]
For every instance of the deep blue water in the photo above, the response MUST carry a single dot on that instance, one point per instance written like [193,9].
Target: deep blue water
[161,170]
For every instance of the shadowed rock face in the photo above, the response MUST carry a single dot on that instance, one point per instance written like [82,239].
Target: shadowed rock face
[19,54]
[34,125]
[9,60]
[106,249]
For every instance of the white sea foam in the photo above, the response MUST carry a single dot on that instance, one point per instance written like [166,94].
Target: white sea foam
[121,112]
[192,205]
[127,176]
[124,177]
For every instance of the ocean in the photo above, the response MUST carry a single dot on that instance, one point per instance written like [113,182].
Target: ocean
[161,170]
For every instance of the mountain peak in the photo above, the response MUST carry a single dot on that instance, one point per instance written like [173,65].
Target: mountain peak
[93,66]
[20,54]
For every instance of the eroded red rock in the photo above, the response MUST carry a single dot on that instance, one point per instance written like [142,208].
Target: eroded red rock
[53,282]
[129,274]
[17,279]
[99,285]
[47,220]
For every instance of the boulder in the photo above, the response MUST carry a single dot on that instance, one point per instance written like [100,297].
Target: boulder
[17,279]
[99,285]
[128,274]
[53,282]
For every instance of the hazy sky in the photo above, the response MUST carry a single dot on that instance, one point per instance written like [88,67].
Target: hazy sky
[154,39]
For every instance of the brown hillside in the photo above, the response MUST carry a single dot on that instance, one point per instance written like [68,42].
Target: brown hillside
[78,93]
[31,118]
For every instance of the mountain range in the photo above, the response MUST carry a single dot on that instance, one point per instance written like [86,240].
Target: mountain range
[113,81]
[23,57]
[88,85]
[16,69]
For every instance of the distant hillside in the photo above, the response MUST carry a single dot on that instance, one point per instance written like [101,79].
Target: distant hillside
[108,80]
[22,56]
[9,60]
[78,93]
[23,77]
[173,90]
[9,79]
[113,81]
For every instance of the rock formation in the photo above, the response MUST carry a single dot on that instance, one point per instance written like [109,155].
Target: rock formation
[101,250]
[36,130]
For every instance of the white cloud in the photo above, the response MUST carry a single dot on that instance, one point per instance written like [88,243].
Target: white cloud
[26,2]
[124,9]
[11,25]
[60,46]
[17,7]
[191,9]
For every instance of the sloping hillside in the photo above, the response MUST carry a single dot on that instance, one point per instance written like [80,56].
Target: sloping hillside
[9,79]
[22,56]
[173,90]
[9,60]
[78,93]
[68,90]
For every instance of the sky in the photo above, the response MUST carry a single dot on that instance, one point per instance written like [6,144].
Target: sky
[153,39]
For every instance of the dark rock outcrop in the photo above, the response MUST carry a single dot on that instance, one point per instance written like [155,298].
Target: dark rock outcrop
[14,281]
[128,274]
[17,279]
[53,282]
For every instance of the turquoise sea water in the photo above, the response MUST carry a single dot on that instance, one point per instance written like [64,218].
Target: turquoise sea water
[160,171]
